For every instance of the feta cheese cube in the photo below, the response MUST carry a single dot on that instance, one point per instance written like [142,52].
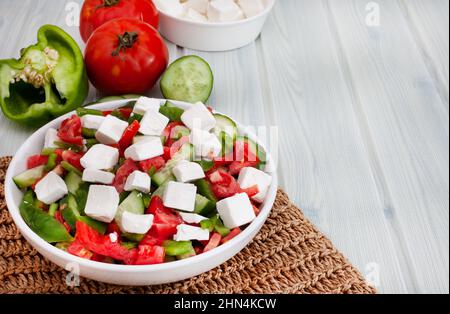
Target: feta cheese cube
[186,171]
[251,7]
[91,121]
[224,11]
[192,218]
[236,211]
[101,157]
[193,15]
[144,104]
[98,176]
[205,144]
[197,5]
[102,203]
[51,136]
[187,232]
[51,188]
[153,123]
[170,7]
[198,117]
[180,196]
[111,130]
[145,150]
[144,138]
[249,177]
[135,223]
[139,181]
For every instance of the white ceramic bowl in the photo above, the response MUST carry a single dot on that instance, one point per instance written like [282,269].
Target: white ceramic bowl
[125,274]
[207,36]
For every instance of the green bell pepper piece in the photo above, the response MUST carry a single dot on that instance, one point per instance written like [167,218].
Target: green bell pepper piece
[44,225]
[51,162]
[171,112]
[88,133]
[85,111]
[67,166]
[48,80]
[176,248]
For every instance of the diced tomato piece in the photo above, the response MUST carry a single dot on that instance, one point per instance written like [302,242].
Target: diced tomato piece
[72,158]
[231,235]
[59,217]
[242,152]
[214,242]
[70,131]
[166,154]
[107,112]
[210,109]
[148,254]
[113,227]
[176,146]
[198,249]
[251,191]
[122,174]
[237,166]
[128,135]
[77,248]
[152,238]
[156,203]
[100,244]
[126,112]
[156,163]
[36,161]
[223,184]
[256,210]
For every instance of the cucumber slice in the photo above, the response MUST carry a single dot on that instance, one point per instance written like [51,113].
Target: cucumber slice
[163,175]
[179,131]
[133,236]
[29,177]
[71,215]
[188,79]
[204,188]
[203,206]
[133,204]
[225,124]
[73,182]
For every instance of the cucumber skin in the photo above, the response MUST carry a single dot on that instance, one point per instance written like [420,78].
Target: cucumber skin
[224,124]
[73,182]
[29,177]
[203,205]
[165,174]
[167,80]
[204,189]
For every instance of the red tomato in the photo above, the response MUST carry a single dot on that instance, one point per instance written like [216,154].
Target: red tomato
[100,244]
[169,127]
[97,12]
[125,56]
[214,242]
[237,166]
[165,221]
[156,163]
[122,174]
[70,131]
[128,134]
[78,249]
[231,235]
[36,161]
[113,227]
[72,158]
[147,255]
[59,217]
[251,191]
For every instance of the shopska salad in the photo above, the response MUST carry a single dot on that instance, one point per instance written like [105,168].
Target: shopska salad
[144,184]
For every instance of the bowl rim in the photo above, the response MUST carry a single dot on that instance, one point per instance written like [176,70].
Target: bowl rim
[13,208]
[221,24]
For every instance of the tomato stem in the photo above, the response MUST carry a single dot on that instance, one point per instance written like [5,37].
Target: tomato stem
[126,40]
[107,3]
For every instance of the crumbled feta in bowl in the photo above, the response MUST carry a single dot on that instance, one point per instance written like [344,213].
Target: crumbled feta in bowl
[213,25]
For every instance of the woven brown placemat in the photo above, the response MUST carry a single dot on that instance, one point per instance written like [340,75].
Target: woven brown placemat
[289,255]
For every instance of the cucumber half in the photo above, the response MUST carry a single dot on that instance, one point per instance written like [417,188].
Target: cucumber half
[225,124]
[188,79]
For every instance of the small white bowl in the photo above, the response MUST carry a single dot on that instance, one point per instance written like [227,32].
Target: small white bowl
[125,274]
[207,36]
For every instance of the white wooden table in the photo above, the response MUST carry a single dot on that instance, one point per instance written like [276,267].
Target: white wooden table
[362,107]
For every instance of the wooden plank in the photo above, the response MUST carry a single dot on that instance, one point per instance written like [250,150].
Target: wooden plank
[407,126]
[429,23]
[324,162]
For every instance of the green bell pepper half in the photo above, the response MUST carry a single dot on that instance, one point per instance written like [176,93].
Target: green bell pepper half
[48,80]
